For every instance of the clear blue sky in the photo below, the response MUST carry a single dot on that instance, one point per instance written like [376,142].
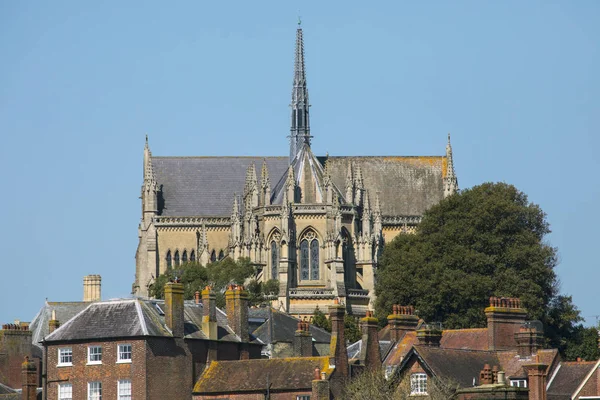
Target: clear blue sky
[515,82]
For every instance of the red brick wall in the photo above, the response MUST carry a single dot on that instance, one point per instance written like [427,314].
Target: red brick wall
[169,369]
[109,372]
[14,346]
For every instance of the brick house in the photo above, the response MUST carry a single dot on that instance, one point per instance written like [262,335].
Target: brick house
[510,345]
[148,349]
[575,380]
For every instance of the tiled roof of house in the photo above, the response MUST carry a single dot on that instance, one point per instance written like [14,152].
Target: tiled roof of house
[512,363]
[472,339]
[567,378]
[284,328]
[6,390]
[64,311]
[204,186]
[135,318]
[279,374]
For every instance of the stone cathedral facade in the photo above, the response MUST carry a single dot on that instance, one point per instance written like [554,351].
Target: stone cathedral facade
[316,224]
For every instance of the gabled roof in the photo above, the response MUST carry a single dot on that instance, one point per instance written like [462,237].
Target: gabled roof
[284,328]
[567,378]
[280,374]
[135,318]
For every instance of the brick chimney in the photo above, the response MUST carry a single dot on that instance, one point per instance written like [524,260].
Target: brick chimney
[402,320]
[209,313]
[320,386]
[29,380]
[53,324]
[236,304]
[430,335]
[529,338]
[15,344]
[92,287]
[505,316]
[303,346]
[174,308]
[338,354]
[369,351]
[537,380]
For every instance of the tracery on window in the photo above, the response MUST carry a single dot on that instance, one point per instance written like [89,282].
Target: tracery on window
[309,257]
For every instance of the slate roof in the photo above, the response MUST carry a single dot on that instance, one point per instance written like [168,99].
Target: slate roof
[204,186]
[135,318]
[6,390]
[64,312]
[284,328]
[283,374]
[567,378]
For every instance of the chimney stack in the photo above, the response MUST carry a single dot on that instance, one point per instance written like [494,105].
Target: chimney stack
[529,338]
[320,386]
[303,346]
[92,287]
[537,380]
[505,316]
[209,312]
[236,304]
[53,324]
[402,320]
[369,350]
[174,308]
[29,380]
[338,354]
[430,335]
[15,345]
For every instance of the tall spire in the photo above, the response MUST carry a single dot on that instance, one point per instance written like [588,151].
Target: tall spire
[300,123]
[450,181]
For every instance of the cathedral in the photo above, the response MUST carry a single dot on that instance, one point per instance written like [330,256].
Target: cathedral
[315,224]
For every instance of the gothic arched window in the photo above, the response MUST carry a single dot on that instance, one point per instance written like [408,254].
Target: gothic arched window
[169,260]
[309,257]
[176,258]
[274,259]
[184,257]
[221,255]
[213,256]
[192,256]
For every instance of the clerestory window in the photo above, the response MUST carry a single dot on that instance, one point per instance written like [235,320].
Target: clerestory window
[184,257]
[169,259]
[192,256]
[177,261]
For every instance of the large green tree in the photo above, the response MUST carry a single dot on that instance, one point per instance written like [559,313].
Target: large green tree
[485,241]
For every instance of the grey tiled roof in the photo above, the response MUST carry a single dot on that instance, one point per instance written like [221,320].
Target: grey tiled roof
[204,186]
[284,328]
[135,318]
[353,350]
[567,379]
[64,311]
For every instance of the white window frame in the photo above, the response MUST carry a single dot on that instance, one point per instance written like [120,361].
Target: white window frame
[120,388]
[96,386]
[303,397]
[61,394]
[121,360]
[518,383]
[98,353]
[60,356]
[418,384]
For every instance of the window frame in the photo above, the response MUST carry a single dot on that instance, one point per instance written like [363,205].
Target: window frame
[309,257]
[119,352]
[98,387]
[518,383]
[124,396]
[89,354]
[60,362]
[61,386]
[418,384]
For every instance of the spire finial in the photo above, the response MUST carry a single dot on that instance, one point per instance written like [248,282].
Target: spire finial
[450,181]
[300,124]
[299,20]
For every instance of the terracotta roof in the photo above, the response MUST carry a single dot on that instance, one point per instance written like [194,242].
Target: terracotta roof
[401,349]
[512,364]
[472,339]
[567,379]
[283,374]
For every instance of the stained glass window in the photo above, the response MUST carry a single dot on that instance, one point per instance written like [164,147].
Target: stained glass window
[192,256]
[304,268]
[176,258]
[213,256]
[184,256]
[169,262]
[274,259]
[314,260]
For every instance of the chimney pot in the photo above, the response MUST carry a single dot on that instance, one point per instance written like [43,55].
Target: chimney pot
[92,288]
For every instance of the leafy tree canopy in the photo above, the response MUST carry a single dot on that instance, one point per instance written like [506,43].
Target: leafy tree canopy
[485,241]
[218,274]
[351,330]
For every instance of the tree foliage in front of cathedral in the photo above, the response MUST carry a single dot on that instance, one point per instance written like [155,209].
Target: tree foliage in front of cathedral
[485,241]
[351,329]
[218,274]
